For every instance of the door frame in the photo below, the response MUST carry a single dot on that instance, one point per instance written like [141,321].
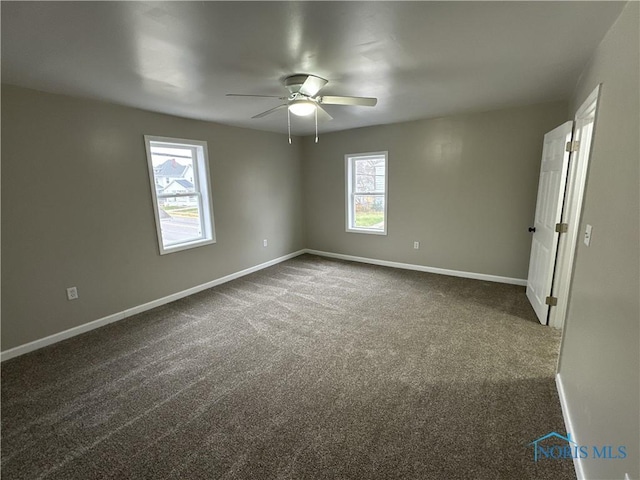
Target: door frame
[571,212]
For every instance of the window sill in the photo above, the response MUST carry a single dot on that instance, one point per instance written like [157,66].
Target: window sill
[186,246]
[366,231]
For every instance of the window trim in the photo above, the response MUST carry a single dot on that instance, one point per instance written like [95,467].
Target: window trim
[202,184]
[350,159]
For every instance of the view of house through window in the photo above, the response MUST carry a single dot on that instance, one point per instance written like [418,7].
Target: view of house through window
[178,172]
[367,192]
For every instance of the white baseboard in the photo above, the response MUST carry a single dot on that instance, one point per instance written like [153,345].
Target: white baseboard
[577,462]
[72,332]
[422,268]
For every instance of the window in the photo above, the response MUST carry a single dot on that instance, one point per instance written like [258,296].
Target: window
[178,170]
[366,176]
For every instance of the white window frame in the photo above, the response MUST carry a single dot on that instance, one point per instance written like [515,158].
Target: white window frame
[202,188]
[350,192]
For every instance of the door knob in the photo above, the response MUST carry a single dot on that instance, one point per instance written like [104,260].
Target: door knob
[532,229]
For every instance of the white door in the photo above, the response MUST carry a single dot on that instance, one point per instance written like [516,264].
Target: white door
[544,245]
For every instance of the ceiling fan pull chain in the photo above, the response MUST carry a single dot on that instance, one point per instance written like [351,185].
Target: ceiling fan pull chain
[316,110]
[289,124]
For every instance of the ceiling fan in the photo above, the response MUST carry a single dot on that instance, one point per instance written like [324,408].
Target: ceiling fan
[303,99]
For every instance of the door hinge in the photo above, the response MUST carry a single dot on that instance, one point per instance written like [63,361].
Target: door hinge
[562,227]
[572,146]
[551,301]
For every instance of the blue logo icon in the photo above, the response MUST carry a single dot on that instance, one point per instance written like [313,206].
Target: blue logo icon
[555,446]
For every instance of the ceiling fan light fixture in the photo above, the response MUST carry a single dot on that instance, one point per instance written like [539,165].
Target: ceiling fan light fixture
[302,108]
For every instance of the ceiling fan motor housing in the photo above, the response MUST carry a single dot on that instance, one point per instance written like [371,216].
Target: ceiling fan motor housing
[294,82]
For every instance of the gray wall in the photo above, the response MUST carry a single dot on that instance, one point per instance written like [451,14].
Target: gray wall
[600,360]
[463,186]
[76,209]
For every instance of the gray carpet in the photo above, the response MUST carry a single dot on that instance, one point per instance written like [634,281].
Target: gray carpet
[311,369]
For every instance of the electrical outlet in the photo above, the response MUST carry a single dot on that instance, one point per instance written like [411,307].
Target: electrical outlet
[416,245]
[587,235]
[72,293]
[265,243]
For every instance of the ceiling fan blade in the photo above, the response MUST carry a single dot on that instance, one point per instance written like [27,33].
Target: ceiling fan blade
[362,101]
[263,96]
[312,86]
[322,114]
[271,110]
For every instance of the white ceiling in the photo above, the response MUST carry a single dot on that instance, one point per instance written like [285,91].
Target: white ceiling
[421,59]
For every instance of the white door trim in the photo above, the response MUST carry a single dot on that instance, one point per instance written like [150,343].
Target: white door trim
[584,124]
